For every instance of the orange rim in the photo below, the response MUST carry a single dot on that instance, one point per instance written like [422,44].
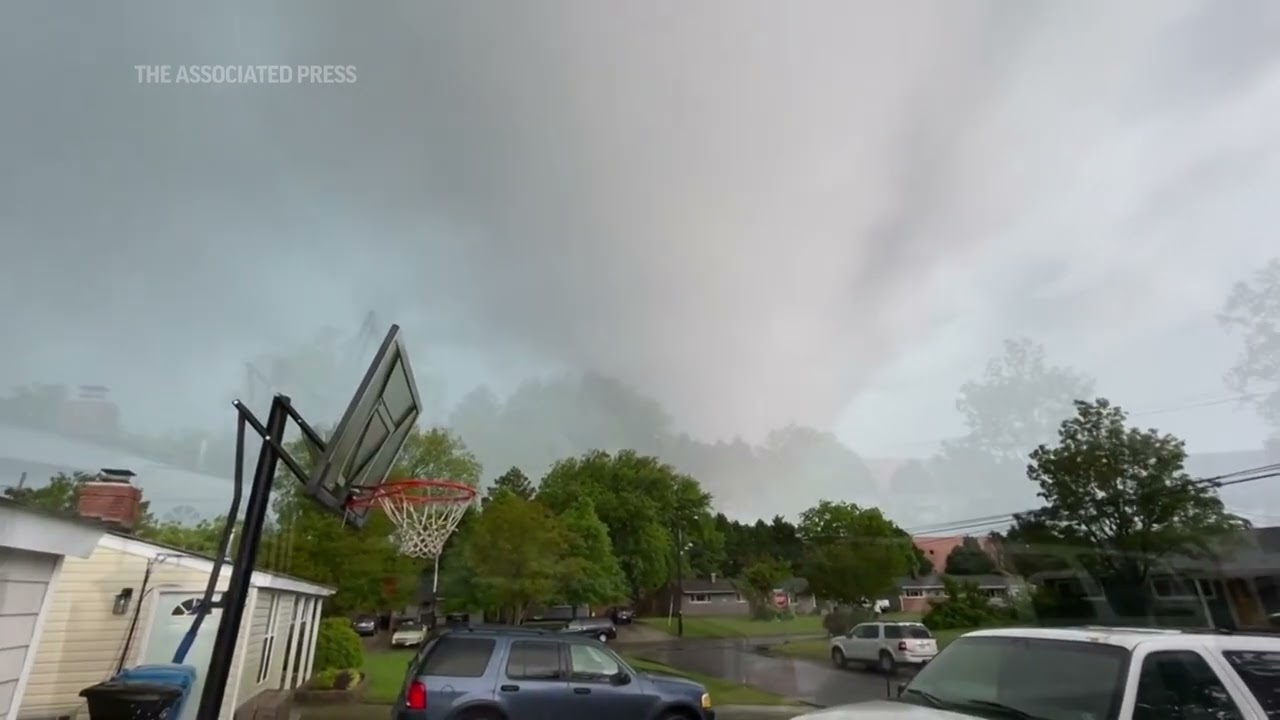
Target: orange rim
[455,492]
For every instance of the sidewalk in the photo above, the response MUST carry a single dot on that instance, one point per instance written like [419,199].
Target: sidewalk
[760,712]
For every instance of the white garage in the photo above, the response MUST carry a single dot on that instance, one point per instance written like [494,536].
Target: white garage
[33,546]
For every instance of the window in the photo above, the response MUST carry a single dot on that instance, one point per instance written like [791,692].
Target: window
[1261,674]
[458,657]
[1169,587]
[1178,683]
[867,632]
[1087,679]
[1208,589]
[588,663]
[533,660]
[898,632]
[699,598]
[269,638]
[738,598]
[912,593]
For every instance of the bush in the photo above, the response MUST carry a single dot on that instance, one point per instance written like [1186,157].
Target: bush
[1050,607]
[337,646]
[335,679]
[842,619]
[964,607]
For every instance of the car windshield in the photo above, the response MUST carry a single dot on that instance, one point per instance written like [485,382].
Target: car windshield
[975,674]
[409,625]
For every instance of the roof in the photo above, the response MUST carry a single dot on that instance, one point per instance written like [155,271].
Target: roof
[182,557]
[709,587]
[1130,638]
[38,530]
[980,580]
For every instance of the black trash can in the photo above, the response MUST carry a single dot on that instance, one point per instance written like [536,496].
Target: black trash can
[114,700]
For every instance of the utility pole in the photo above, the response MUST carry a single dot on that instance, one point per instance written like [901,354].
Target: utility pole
[679,581]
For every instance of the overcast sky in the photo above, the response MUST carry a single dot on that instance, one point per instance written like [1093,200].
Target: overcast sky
[758,212]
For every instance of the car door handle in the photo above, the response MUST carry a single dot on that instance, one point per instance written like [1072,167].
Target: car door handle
[510,688]
[582,691]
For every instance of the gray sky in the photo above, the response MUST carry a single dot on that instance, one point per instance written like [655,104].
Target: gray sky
[822,212]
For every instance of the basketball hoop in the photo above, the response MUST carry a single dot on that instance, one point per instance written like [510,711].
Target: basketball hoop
[425,512]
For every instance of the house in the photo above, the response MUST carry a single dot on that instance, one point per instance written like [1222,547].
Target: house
[718,597]
[915,595]
[1237,588]
[33,549]
[129,601]
[937,548]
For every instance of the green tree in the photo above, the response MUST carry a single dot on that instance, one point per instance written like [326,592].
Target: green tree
[589,571]
[1253,310]
[514,556]
[514,481]
[969,558]
[1016,405]
[852,553]
[437,454]
[642,501]
[1123,493]
[759,581]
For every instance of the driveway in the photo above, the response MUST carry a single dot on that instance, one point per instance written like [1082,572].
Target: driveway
[806,680]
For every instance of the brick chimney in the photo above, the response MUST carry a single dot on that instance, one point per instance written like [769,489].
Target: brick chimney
[111,498]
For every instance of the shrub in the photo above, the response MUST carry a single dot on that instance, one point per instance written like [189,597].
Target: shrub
[964,607]
[842,619]
[335,679]
[1051,607]
[337,646]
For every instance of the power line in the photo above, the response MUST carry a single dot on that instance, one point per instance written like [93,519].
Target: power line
[1217,481]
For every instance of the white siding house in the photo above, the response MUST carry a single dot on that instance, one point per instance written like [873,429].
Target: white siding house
[32,551]
[85,641]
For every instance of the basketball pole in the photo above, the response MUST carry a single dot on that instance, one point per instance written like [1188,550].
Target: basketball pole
[234,599]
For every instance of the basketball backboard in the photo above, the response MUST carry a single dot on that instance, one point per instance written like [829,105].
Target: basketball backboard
[367,439]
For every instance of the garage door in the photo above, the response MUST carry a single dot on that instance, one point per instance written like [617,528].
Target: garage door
[173,617]
[24,580]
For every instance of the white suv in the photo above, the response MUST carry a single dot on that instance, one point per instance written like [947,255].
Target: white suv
[884,645]
[1092,673]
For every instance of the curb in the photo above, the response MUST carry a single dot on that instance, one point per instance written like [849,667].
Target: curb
[750,712]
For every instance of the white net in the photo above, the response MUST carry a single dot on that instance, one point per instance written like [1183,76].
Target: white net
[425,516]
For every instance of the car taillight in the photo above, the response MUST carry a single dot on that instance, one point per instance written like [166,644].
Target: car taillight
[416,698]
[902,645]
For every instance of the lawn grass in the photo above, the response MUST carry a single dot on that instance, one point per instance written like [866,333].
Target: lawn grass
[386,669]
[723,692]
[728,627]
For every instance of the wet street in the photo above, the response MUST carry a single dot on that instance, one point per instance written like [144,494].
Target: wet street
[804,680]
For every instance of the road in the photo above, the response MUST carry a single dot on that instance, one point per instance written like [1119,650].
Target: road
[740,661]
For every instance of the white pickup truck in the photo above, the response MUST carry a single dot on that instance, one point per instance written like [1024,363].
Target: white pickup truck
[1088,673]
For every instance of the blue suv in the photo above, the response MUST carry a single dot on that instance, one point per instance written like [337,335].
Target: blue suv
[511,674]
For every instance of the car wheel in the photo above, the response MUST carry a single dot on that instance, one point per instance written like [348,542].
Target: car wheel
[602,637]
[838,658]
[886,664]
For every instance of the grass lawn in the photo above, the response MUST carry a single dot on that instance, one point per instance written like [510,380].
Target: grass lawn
[386,669]
[723,692]
[727,627]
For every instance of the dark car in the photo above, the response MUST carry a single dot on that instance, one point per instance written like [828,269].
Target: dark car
[493,673]
[622,615]
[601,629]
[365,625]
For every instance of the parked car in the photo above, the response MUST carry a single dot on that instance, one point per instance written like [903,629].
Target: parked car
[409,633]
[1091,672]
[487,672]
[884,645]
[365,625]
[622,615]
[601,628]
